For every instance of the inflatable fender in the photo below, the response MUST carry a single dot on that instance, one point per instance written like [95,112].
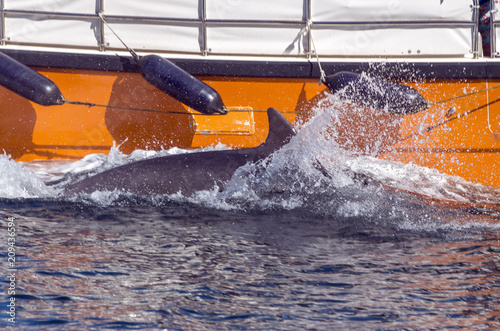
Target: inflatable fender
[180,85]
[28,83]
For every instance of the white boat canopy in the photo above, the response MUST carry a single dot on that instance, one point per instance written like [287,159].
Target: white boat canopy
[285,28]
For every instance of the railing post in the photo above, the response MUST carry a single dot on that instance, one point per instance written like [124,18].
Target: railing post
[307,20]
[2,23]
[475,31]
[100,10]
[203,30]
[493,35]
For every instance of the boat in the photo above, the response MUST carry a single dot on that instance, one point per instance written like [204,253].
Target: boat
[253,55]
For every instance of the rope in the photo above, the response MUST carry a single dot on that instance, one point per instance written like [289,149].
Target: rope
[130,50]
[432,127]
[91,104]
[458,116]
[307,30]
[464,95]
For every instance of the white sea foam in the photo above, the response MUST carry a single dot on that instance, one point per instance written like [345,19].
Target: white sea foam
[16,181]
[424,181]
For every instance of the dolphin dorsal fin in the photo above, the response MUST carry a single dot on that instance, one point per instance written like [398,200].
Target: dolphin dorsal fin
[280,131]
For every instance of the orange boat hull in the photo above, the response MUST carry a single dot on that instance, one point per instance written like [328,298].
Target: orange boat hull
[465,144]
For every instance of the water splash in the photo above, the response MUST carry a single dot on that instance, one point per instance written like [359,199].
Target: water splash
[16,181]
[423,181]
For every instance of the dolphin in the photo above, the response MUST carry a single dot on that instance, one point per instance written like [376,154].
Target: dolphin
[186,173]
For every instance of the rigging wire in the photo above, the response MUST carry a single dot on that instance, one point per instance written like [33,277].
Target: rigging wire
[458,116]
[432,127]
[463,95]
[130,50]
[91,104]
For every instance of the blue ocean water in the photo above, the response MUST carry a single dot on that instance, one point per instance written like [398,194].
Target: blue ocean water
[377,245]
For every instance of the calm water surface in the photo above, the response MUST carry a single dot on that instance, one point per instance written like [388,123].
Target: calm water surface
[282,248]
[182,267]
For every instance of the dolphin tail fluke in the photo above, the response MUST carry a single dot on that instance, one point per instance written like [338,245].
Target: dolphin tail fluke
[280,131]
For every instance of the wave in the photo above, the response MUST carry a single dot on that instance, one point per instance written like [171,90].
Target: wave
[18,181]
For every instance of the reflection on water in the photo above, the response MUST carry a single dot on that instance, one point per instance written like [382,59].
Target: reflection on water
[179,266]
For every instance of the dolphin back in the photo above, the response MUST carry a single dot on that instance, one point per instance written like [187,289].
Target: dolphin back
[186,173]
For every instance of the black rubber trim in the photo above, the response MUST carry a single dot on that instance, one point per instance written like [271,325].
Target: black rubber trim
[265,69]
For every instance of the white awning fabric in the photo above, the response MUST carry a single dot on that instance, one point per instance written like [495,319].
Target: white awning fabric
[391,10]
[286,28]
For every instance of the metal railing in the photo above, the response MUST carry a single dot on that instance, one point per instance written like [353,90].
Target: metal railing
[494,24]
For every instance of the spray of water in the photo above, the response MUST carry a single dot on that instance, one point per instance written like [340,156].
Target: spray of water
[16,181]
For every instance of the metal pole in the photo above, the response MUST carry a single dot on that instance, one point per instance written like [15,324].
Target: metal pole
[203,31]
[2,23]
[100,10]
[493,36]
[475,30]
[307,18]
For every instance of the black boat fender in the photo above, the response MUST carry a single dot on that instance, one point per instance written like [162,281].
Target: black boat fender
[377,93]
[180,85]
[28,83]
